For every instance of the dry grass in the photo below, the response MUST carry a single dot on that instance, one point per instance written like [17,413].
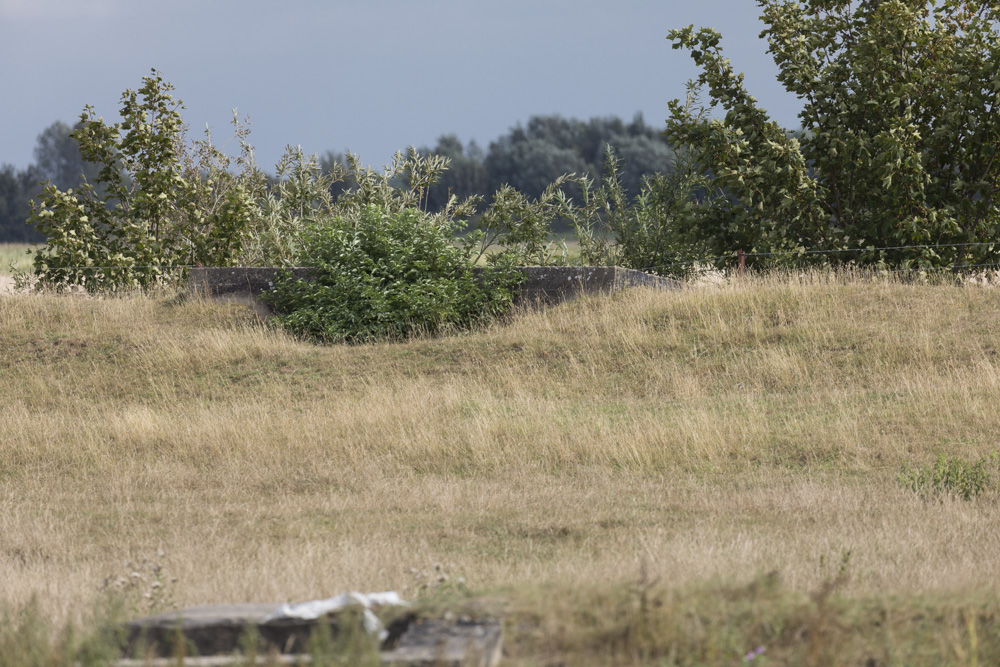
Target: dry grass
[13,257]
[696,441]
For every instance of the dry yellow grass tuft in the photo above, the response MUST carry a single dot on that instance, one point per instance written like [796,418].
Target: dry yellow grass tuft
[696,441]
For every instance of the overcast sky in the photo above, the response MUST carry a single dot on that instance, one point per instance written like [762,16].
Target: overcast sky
[370,76]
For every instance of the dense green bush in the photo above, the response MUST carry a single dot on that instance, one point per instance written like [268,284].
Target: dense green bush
[387,274]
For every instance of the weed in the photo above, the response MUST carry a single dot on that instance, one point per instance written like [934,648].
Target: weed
[144,584]
[437,582]
[30,638]
[952,476]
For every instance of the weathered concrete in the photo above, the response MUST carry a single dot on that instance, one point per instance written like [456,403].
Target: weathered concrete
[214,629]
[553,284]
[213,633]
[448,643]
[542,285]
[238,284]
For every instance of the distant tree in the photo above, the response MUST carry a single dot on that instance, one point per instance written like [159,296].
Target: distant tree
[466,174]
[332,165]
[58,159]
[17,187]
[529,164]
[597,133]
[532,156]
[640,156]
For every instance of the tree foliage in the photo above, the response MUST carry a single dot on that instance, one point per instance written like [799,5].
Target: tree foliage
[531,156]
[901,121]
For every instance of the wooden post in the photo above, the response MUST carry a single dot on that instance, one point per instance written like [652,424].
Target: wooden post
[741,266]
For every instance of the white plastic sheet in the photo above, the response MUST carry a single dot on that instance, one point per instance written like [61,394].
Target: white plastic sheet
[313,609]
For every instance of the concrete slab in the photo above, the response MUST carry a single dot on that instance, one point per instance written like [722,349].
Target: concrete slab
[448,644]
[213,633]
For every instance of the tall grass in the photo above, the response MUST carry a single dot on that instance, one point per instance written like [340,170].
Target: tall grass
[647,476]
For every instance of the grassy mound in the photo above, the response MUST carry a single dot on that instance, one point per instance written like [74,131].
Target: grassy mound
[654,476]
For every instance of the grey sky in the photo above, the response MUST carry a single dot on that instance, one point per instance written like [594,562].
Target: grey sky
[371,76]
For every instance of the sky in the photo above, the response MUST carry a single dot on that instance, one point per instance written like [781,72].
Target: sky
[371,76]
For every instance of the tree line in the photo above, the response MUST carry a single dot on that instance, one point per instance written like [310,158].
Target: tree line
[529,157]
[896,164]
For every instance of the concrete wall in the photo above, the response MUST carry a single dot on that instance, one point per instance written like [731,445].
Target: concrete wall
[543,284]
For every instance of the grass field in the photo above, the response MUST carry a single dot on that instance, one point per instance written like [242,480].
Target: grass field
[14,256]
[647,478]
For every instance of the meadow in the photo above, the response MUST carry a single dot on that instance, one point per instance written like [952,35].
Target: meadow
[642,478]
[14,256]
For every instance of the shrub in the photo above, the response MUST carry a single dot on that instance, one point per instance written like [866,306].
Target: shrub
[386,274]
[951,475]
[644,232]
[300,196]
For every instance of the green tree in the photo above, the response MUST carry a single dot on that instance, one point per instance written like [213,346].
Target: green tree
[157,205]
[901,121]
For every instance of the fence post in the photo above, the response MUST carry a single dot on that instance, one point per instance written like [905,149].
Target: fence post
[741,266]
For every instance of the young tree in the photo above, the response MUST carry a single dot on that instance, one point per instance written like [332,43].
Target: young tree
[157,204]
[901,123]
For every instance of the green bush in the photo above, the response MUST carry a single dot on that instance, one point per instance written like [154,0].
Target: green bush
[382,274]
[951,475]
